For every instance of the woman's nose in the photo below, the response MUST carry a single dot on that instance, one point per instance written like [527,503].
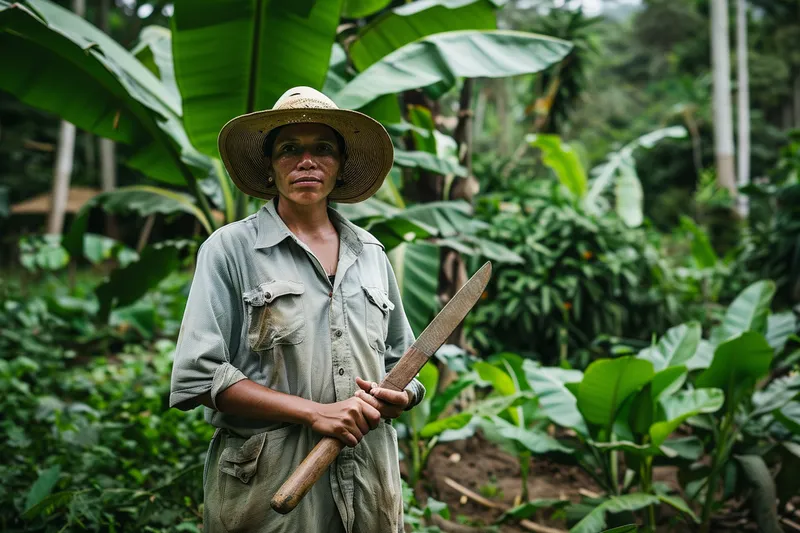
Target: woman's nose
[306,161]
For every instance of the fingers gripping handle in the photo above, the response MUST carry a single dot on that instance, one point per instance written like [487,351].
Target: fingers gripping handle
[306,474]
[311,469]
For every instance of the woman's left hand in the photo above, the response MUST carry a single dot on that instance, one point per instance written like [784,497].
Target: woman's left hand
[390,403]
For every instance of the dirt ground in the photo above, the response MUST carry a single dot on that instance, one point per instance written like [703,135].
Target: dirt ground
[480,467]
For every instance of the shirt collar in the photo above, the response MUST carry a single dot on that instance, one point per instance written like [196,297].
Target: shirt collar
[273,230]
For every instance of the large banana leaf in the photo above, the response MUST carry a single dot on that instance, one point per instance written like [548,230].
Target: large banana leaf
[415,20]
[555,400]
[738,363]
[563,160]
[748,312]
[154,51]
[63,64]
[676,347]
[442,57]
[607,383]
[416,266]
[362,8]
[237,57]
[682,406]
[595,521]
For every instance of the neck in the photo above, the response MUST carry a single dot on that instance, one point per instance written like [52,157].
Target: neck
[311,220]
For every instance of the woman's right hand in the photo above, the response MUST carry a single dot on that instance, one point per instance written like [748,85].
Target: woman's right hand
[348,420]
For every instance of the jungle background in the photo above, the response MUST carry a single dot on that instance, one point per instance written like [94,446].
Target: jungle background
[629,167]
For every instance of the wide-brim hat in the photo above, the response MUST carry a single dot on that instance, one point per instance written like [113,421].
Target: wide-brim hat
[368,147]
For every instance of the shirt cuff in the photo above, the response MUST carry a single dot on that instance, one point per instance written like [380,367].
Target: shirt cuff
[225,376]
[417,391]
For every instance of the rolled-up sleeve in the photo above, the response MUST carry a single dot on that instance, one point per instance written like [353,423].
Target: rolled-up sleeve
[209,333]
[400,336]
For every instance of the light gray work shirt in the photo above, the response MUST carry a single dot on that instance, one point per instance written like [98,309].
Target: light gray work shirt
[261,307]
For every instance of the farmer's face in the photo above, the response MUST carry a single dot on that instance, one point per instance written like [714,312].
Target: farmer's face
[305,162]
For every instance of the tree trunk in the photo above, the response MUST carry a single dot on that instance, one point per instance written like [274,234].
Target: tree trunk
[723,123]
[65,153]
[108,159]
[61,178]
[743,102]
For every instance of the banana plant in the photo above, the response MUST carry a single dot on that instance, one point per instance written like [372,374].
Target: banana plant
[518,430]
[622,405]
[619,169]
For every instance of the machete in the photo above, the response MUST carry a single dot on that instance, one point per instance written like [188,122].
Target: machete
[324,453]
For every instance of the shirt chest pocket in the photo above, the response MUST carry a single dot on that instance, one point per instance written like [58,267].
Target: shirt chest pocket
[275,314]
[378,307]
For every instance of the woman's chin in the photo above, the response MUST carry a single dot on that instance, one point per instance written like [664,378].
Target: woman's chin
[307,195]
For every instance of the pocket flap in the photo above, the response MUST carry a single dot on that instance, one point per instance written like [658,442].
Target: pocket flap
[378,298]
[242,461]
[266,292]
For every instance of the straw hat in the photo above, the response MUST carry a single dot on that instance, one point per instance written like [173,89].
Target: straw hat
[369,149]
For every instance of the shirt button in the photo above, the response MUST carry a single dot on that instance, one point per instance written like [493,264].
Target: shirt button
[338,333]
[341,371]
[330,294]
[268,295]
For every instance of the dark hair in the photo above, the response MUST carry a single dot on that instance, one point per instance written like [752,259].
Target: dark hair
[272,136]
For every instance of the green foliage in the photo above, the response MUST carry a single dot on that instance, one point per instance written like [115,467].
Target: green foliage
[90,443]
[583,276]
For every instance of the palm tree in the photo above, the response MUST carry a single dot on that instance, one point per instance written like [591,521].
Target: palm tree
[723,122]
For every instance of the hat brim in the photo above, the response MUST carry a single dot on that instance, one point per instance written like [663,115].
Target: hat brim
[370,153]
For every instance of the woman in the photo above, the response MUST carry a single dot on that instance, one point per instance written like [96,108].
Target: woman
[293,317]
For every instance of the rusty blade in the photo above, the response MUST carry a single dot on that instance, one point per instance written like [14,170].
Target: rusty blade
[454,312]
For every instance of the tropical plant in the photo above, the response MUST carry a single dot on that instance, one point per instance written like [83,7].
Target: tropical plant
[582,277]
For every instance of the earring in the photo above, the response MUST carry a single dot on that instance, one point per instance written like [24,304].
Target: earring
[269,178]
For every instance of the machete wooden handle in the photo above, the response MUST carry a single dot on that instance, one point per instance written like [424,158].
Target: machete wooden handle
[325,452]
[306,474]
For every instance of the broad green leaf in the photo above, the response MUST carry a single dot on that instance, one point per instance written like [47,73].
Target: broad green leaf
[563,160]
[702,252]
[630,528]
[416,266]
[702,357]
[154,51]
[50,503]
[63,64]
[361,8]
[128,284]
[596,520]
[535,441]
[441,58]
[776,395]
[240,56]
[628,194]
[143,200]
[684,405]
[680,504]
[419,416]
[449,218]
[338,74]
[412,21]
[668,381]
[779,327]
[427,161]
[690,448]
[436,427]
[676,347]
[628,447]
[42,486]
[606,172]
[737,364]
[500,380]
[421,118]
[789,416]
[607,383]
[763,496]
[555,400]
[748,312]
[530,508]
[443,399]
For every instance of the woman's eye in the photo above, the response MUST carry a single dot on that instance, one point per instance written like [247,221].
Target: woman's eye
[325,148]
[288,148]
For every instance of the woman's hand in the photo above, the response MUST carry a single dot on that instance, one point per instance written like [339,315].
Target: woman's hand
[348,420]
[390,403]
